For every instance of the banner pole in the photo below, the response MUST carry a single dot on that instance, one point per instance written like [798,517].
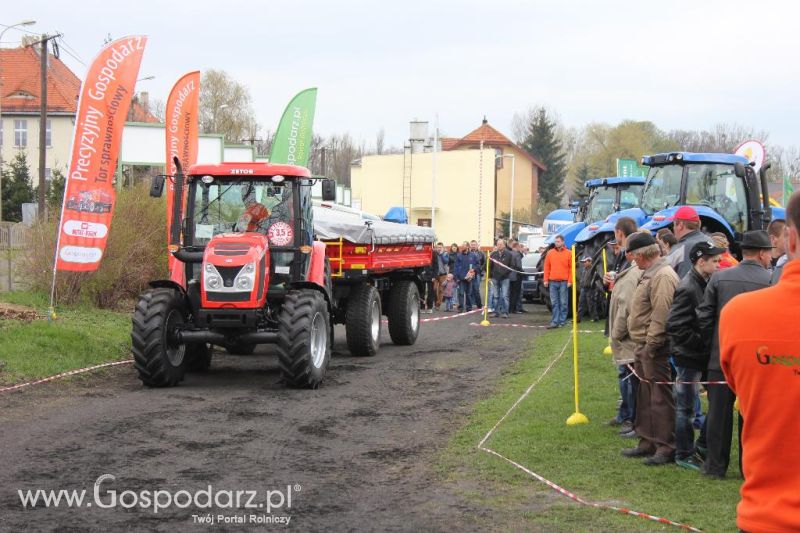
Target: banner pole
[607,349]
[485,321]
[577,417]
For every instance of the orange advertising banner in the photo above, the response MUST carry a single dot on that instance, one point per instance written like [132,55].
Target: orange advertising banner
[181,142]
[89,196]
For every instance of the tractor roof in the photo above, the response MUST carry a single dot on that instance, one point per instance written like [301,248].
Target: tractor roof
[631,180]
[690,157]
[248,169]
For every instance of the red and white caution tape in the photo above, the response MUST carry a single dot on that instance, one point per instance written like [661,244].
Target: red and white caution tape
[528,326]
[495,261]
[554,486]
[630,367]
[478,310]
[64,375]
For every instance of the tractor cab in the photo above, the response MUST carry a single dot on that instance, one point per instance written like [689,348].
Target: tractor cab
[724,189]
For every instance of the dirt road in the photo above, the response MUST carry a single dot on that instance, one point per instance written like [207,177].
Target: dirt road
[357,454]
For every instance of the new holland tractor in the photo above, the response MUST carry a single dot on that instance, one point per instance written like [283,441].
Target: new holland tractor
[261,265]
[724,189]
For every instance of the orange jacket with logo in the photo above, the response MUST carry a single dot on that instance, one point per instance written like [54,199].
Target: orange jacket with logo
[760,356]
[558,265]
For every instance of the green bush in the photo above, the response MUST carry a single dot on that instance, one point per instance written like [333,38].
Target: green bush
[136,254]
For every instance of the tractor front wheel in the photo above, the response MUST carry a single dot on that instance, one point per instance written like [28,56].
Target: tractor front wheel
[304,348]
[158,358]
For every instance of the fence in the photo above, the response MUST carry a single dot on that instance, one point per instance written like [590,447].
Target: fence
[13,238]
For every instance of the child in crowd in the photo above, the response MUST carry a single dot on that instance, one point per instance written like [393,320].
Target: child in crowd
[450,293]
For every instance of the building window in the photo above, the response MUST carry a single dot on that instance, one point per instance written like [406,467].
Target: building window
[48,135]
[48,172]
[21,133]
[498,161]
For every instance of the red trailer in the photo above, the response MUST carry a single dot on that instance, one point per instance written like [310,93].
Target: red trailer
[260,264]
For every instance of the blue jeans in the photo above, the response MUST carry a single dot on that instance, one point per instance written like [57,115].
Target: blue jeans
[464,295]
[501,289]
[628,387]
[476,291]
[492,295]
[685,396]
[559,299]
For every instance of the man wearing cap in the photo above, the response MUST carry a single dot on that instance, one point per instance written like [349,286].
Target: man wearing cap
[749,275]
[647,318]
[686,226]
[688,349]
[760,354]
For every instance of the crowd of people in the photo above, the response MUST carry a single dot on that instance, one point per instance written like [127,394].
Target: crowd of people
[685,315]
[454,278]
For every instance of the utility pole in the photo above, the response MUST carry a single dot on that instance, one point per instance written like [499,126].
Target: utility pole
[43,126]
[322,160]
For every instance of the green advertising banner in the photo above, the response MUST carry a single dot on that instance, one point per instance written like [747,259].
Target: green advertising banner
[293,138]
[628,168]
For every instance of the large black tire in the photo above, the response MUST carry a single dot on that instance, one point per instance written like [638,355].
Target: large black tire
[199,357]
[304,348]
[403,313]
[363,321]
[159,362]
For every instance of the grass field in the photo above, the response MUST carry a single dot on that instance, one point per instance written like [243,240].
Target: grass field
[81,336]
[583,459]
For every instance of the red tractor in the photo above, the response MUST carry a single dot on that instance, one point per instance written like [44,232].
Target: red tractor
[92,201]
[254,270]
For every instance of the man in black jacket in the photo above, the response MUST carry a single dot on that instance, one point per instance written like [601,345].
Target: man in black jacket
[749,275]
[688,348]
[499,272]
[515,280]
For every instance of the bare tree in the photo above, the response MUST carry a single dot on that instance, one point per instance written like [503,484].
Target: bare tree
[380,139]
[226,107]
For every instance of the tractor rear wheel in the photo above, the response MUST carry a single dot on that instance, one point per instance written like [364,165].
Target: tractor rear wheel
[159,360]
[403,313]
[304,348]
[363,321]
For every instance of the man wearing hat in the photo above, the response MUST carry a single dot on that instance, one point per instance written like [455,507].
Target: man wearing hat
[688,349]
[686,226]
[648,311]
[749,275]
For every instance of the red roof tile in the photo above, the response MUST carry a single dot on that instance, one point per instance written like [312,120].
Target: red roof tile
[448,142]
[19,82]
[490,137]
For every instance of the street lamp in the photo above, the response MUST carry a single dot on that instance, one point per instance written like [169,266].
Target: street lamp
[511,209]
[23,23]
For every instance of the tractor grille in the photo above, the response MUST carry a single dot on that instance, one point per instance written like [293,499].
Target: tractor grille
[231,249]
[228,274]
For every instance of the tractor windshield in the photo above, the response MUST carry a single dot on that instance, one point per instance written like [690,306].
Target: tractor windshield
[716,186]
[235,206]
[600,203]
[630,196]
[662,189]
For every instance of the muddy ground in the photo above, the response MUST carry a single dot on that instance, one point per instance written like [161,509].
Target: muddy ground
[359,453]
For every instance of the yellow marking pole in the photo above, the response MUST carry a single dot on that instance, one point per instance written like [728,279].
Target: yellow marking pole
[485,321]
[607,349]
[577,417]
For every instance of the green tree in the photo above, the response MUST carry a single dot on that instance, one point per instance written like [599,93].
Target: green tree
[583,174]
[542,142]
[55,192]
[17,188]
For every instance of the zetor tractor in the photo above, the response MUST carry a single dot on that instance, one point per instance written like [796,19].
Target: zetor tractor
[724,189]
[253,272]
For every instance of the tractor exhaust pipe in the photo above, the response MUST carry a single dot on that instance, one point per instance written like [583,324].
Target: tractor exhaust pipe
[259,337]
[762,174]
[215,337]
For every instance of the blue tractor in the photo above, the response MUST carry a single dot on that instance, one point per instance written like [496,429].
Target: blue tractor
[724,189]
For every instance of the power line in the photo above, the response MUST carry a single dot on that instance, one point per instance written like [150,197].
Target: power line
[71,51]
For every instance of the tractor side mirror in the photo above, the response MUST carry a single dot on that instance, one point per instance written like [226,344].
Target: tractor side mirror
[328,190]
[157,186]
[739,170]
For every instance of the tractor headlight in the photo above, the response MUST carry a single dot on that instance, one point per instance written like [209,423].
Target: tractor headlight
[246,277]
[213,282]
[210,268]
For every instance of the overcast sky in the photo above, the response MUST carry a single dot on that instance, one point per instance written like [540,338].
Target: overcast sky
[379,64]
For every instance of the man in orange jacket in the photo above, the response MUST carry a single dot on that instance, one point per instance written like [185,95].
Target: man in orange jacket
[760,357]
[558,278]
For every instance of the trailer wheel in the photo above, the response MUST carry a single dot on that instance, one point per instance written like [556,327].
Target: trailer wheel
[403,313]
[363,321]
[304,348]
[159,361]
[199,357]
